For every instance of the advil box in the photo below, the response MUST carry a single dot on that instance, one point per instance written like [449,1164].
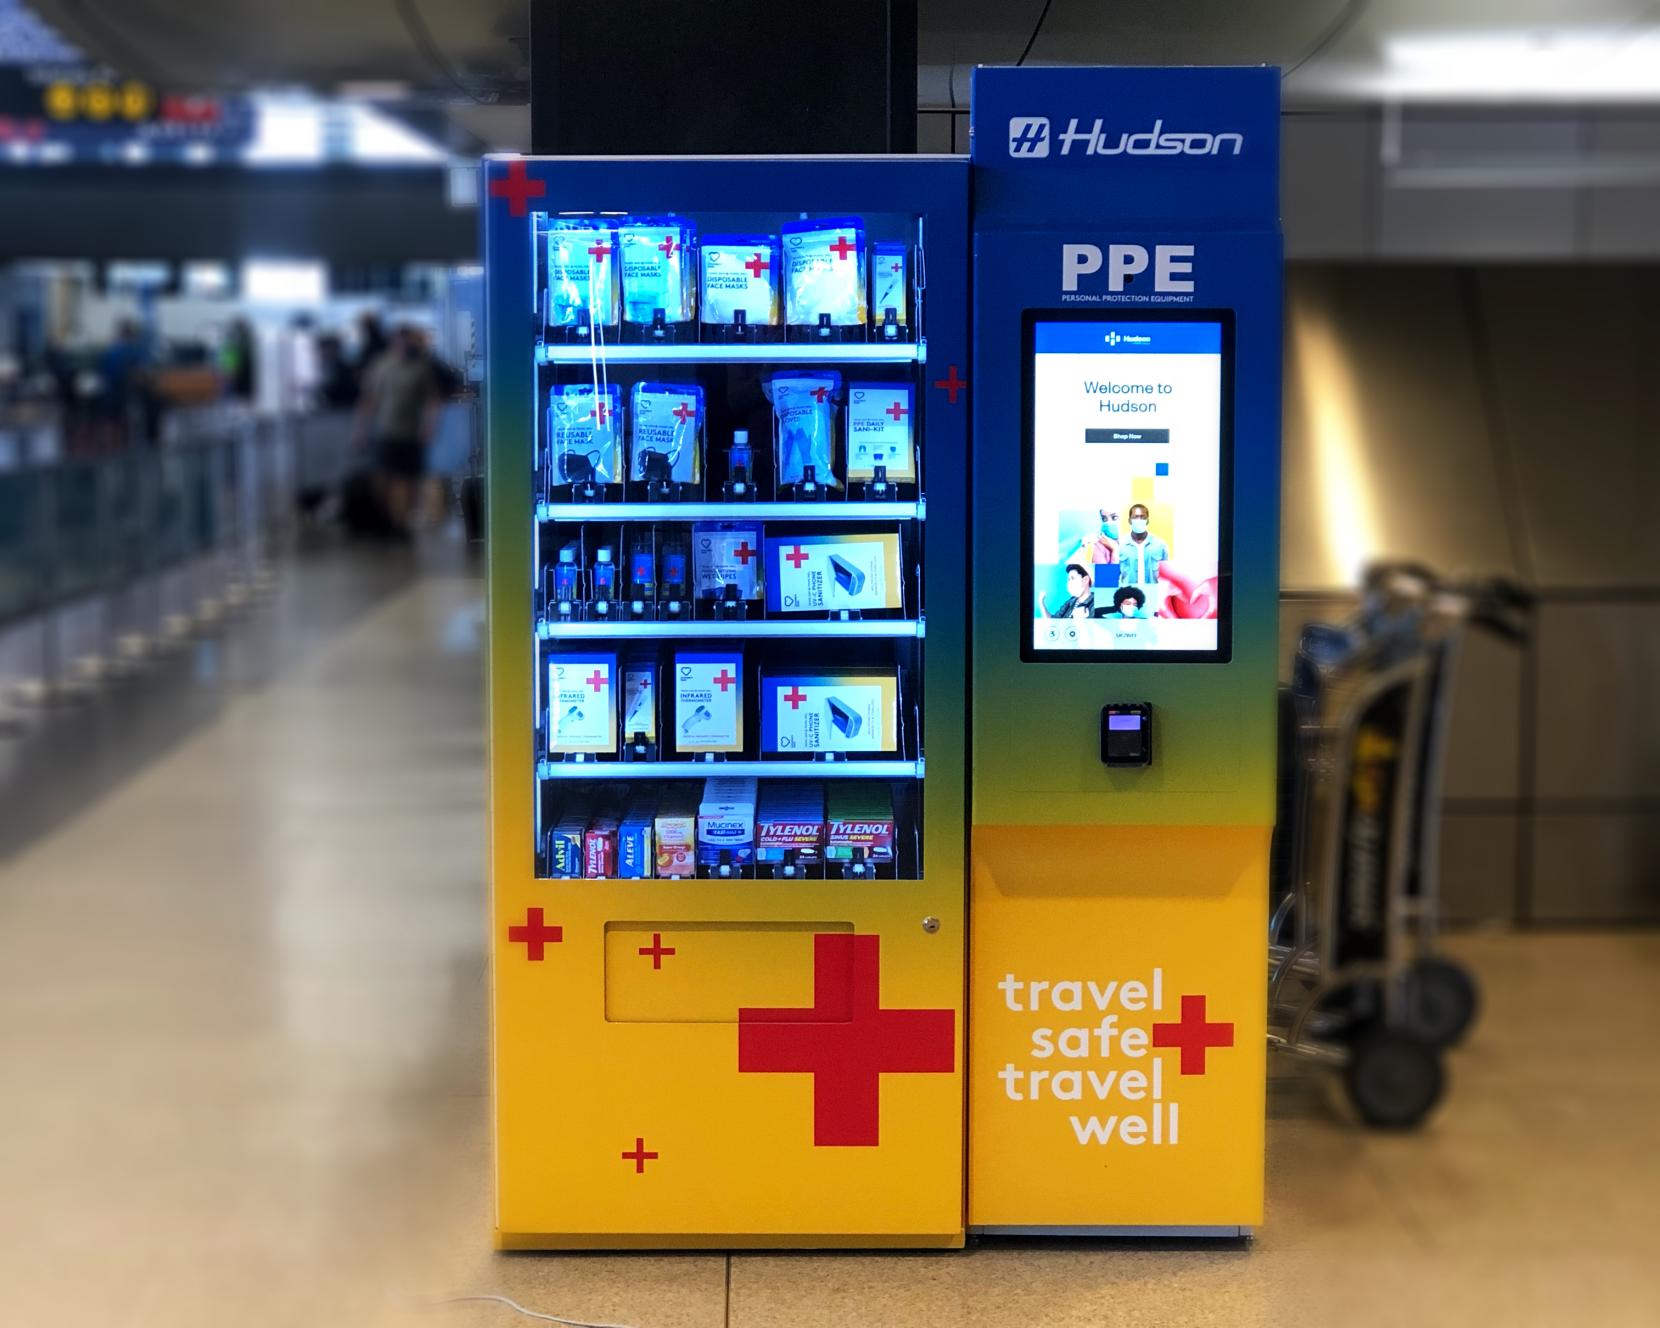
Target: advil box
[843,712]
[565,843]
[827,573]
[790,820]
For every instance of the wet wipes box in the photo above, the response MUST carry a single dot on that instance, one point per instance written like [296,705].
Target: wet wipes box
[726,822]
[582,704]
[709,701]
[739,276]
[727,553]
[850,711]
[833,573]
[879,430]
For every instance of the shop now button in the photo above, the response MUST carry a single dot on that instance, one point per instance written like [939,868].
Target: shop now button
[1126,435]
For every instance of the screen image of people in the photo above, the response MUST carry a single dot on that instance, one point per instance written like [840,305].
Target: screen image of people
[1126,485]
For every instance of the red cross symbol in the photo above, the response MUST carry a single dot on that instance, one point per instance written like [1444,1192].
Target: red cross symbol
[723,679]
[518,188]
[1193,1035]
[534,935]
[683,411]
[795,696]
[842,247]
[596,680]
[819,393]
[601,410]
[757,265]
[667,246]
[897,411]
[952,384]
[599,249]
[657,949]
[743,553]
[796,557]
[639,1157]
[898,265]
[846,1041]
[642,570]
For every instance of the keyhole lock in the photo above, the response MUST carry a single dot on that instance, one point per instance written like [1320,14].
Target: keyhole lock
[930,925]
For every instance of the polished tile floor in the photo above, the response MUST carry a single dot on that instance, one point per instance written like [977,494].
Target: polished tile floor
[243,1067]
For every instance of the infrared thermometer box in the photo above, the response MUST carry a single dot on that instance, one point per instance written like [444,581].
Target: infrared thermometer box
[582,707]
[839,712]
[709,701]
[833,573]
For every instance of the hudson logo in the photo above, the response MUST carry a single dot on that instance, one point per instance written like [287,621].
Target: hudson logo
[1029,136]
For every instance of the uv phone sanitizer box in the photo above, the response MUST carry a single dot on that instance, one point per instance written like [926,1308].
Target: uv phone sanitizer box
[830,573]
[851,711]
[582,704]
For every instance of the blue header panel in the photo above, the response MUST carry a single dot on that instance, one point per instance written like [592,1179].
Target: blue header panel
[1114,338]
[1188,147]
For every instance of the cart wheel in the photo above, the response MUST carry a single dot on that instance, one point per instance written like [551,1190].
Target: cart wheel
[1394,1079]
[1441,1001]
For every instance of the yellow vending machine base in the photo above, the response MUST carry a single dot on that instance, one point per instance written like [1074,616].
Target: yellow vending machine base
[1117,1036]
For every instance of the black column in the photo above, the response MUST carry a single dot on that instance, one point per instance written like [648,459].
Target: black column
[681,77]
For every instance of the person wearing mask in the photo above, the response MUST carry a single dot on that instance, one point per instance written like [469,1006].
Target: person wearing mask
[1127,602]
[1080,587]
[1139,556]
[397,415]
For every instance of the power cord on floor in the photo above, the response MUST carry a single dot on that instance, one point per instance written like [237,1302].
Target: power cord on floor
[528,1313]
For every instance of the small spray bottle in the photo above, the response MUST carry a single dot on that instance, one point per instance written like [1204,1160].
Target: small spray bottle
[605,582]
[566,577]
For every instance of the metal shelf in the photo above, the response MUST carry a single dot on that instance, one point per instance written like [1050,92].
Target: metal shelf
[828,511]
[781,352]
[855,769]
[745,630]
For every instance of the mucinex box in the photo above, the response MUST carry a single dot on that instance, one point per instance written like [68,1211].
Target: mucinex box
[849,711]
[726,822]
[582,703]
[709,701]
[829,573]
[879,430]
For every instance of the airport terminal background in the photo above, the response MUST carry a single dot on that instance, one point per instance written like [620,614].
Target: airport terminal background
[243,997]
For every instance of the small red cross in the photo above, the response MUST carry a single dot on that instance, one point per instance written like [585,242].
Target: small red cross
[797,556]
[639,1157]
[683,411]
[757,265]
[667,246]
[518,188]
[842,247]
[723,679]
[599,249]
[846,1041]
[898,266]
[897,411]
[795,696]
[1193,1035]
[819,393]
[743,553]
[534,934]
[657,949]
[596,680]
[952,384]
[601,410]
[642,570]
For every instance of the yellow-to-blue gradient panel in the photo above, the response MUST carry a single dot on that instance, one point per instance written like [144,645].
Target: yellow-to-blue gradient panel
[1116,984]
[629,1112]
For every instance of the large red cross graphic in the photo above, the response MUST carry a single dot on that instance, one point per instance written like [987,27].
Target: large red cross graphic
[533,934]
[639,1157]
[952,384]
[1193,1035]
[599,249]
[796,557]
[601,410]
[842,247]
[667,246]
[657,949]
[846,1041]
[896,410]
[819,393]
[683,411]
[596,680]
[743,553]
[795,696]
[757,265]
[723,679]
[518,188]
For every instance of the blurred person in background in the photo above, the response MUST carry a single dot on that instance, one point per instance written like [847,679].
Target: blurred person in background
[397,415]
[337,387]
[122,369]
[236,360]
[372,343]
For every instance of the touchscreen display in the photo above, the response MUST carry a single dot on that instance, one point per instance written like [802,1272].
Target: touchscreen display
[1127,429]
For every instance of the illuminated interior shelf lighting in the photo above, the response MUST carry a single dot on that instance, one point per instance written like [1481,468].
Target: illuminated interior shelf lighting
[731,511]
[859,769]
[741,630]
[774,353]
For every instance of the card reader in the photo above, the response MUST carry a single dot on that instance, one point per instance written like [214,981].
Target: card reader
[1127,734]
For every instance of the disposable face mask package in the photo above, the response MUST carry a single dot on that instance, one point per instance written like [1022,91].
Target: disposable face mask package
[582,275]
[583,434]
[829,573]
[853,711]
[657,257]
[890,285]
[824,273]
[666,428]
[804,425]
[740,276]
[879,417]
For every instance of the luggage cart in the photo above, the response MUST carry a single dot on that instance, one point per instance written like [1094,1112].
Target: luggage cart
[1354,978]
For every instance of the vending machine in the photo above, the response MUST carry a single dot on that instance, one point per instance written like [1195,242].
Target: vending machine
[728,559]
[1125,585]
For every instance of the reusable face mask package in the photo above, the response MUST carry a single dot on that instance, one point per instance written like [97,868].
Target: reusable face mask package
[890,289]
[666,432]
[584,439]
[824,275]
[657,270]
[739,280]
[804,425]
[879,430]
[582,275]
